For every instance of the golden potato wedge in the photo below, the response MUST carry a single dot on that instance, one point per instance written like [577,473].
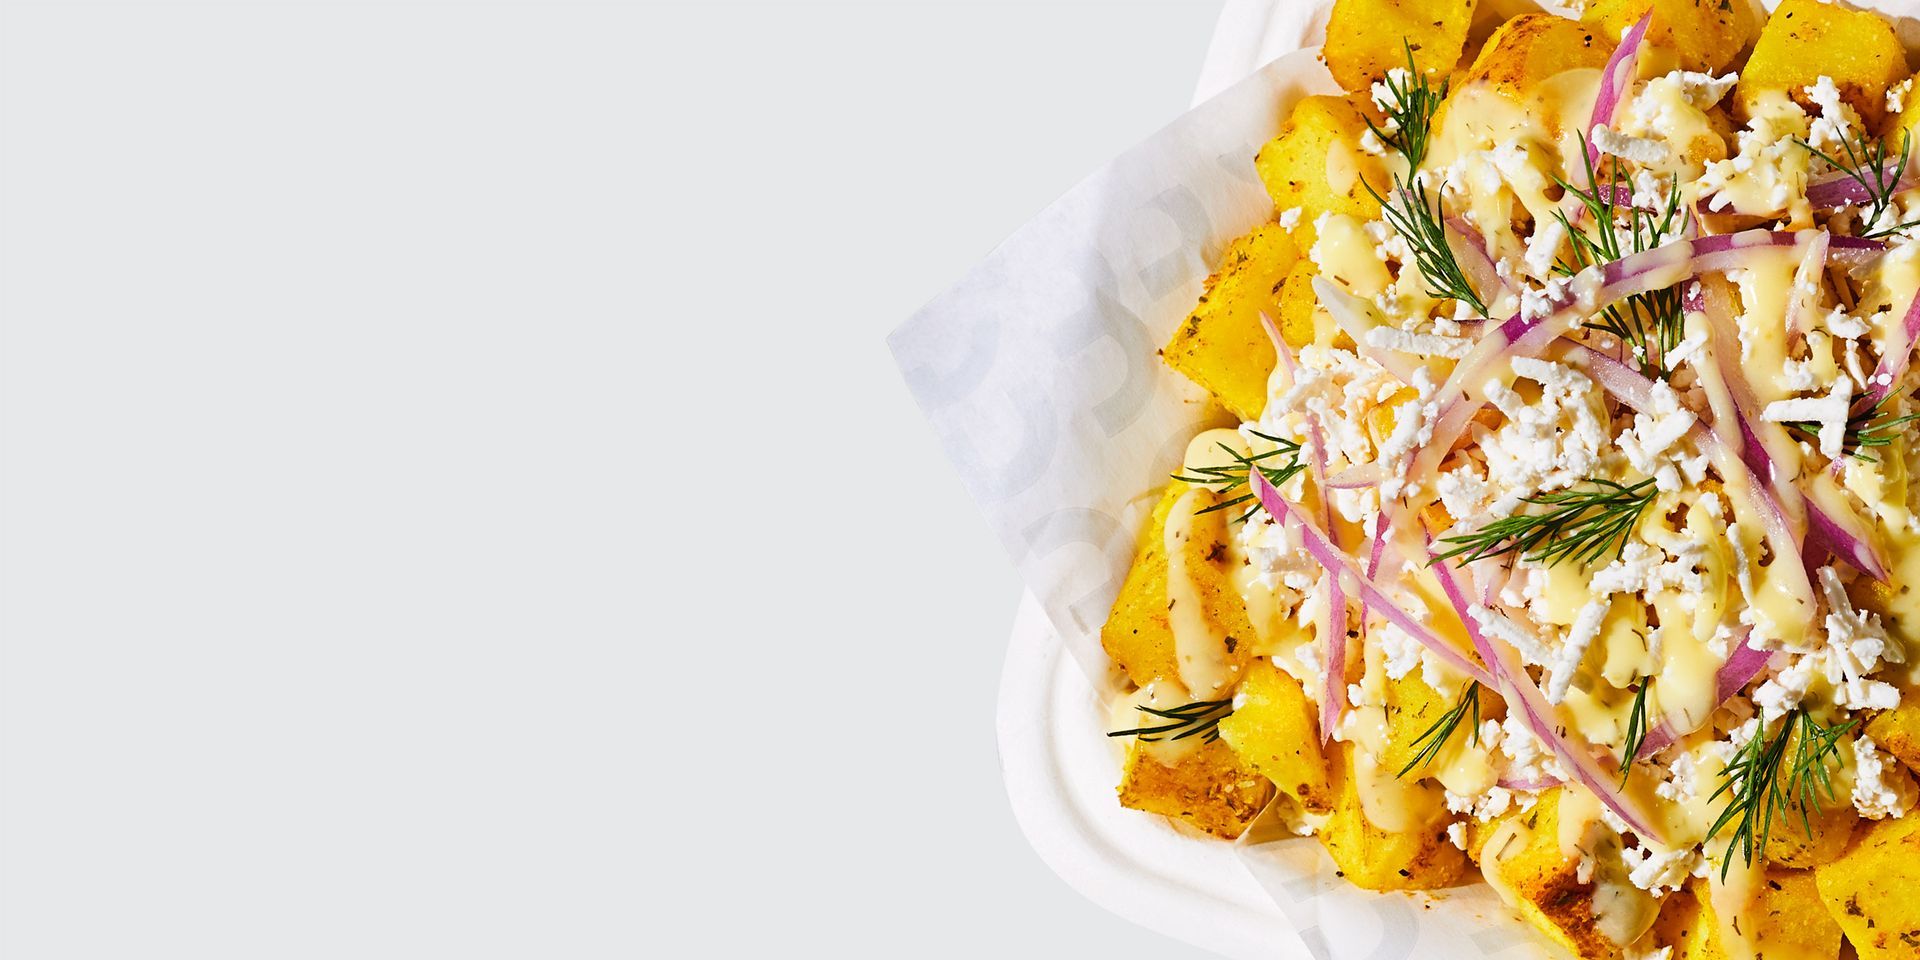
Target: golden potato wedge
[1412,709]
[1299,324]
[1704,35]
[1275,731]
[1222,346]
[1137,634]
[1366,38]
[1897,731]
[1786,921]
[1206,787]
[1528,49]
[1316,164]
[1869,890]
[1806,39]
[1523,855]
[1414,856]
[1789,845]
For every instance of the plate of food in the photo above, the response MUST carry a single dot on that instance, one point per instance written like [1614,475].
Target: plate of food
[1461,473]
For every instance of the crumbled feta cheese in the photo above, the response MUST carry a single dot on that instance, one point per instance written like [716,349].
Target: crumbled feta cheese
[1897,95]
[1844,325]
[1382,91]
[1528,759]
[1543,247]
[1541,303]
[1586,626]
[1289,218]
[1497,625]
[1837,119]
[1830,412]
[1418,344]
[1371,143]
[1683,780]
[1873,796]
[1496,801]
[1549,444]
[1797,374]
[1637,149]
[1457,833]
[1653,433]
[1402,651]
[1631,572]
[1657,871]
[1769,172]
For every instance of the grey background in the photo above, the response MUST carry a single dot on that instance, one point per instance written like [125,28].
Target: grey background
[457,501]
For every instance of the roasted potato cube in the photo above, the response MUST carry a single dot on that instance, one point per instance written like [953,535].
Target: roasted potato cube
[1138,634]
[1275,731]
[1806,39]
[1374,858]
[1787,921]
[1524,854]
[1869,890]
[1222,346]
[1897,731]
[1206,787]
[1299,324]
[1412,709]
[1528,49]
[1316,164]
[1366,38]
[1788,844]
[1705,35]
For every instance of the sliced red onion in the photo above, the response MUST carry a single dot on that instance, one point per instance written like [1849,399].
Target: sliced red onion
[1895,354]
[1841,241]
[1812,264]
[1616,78]
[1831,191]
[1636,392]
[1470,251]
[1368,474]
[1352,316]
[1531,786]
[1331,559]
[1573,750]
[1832,525]
[1743,664]
[1373,570]
[1334,698]
[1590,290]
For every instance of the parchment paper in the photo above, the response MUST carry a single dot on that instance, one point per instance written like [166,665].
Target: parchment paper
[1039,371]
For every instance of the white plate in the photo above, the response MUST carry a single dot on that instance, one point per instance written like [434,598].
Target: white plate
[1060,772]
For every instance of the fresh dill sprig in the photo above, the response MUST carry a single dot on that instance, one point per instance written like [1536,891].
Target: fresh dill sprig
[1636,730]
[1200,718]
[1436,736]
[1757,786]
[1416,218]
[1654,321]
[1865,430]
[1411,112]
[1581,525]
[1868,165]
[1233,476]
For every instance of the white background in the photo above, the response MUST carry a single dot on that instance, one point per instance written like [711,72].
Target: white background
[457,501]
